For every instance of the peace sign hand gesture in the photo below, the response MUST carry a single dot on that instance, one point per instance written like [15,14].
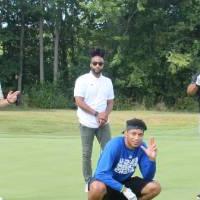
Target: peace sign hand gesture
[151,150]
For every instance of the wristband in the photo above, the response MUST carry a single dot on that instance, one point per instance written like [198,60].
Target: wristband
[123,188]
[96,114]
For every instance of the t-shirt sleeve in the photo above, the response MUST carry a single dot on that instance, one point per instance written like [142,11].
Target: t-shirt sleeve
[194,78]
[79,89]
[1,93]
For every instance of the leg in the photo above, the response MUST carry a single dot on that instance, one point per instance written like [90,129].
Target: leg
[151,190]
[97,191]
[144,190]
[100,191]
[87,138]
[103,135]
[112,194]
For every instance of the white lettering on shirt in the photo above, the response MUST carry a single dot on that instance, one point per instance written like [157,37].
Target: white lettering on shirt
[126,166]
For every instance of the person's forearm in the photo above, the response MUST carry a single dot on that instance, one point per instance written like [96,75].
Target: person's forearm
[4,103]
[81,104]
[192,89]
[148,169]
[109,107]
[109,181]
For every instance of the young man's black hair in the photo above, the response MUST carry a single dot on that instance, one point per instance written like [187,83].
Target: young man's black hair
[97,52]
[135,124]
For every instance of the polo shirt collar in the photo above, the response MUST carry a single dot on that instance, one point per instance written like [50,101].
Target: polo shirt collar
[93,76]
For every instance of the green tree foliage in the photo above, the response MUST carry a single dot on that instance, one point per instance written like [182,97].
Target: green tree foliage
[152,47]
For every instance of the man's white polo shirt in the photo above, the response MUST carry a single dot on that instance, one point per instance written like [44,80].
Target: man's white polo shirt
[96,92]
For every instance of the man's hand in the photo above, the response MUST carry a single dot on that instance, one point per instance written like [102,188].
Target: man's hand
[198,80]
[102,118]
[129,194]
[101,122]
[12,96]
[151,150]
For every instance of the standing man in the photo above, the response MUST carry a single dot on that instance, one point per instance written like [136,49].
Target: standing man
[94,97]
[113,179]
[10,99]
[194,87]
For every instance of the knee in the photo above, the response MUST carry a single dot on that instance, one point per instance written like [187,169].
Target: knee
[97,187]
[97,190]
[155,188]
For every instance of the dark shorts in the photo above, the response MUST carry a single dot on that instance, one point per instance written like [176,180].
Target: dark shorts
[136,184]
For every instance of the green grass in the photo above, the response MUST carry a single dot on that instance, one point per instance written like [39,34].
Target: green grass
[40,153]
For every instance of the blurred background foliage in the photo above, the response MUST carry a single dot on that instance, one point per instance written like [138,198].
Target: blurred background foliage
[152,49]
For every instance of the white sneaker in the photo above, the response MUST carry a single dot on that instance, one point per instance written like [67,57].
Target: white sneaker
[198,197]
[86,187]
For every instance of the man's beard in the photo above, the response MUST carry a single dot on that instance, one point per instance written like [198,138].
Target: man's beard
[96,73]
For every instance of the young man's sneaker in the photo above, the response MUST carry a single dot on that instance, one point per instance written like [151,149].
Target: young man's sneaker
[198,197]
[86,187]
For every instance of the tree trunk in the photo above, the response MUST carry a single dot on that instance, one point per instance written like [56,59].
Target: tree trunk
[41,46]
[56,46]
[21,56]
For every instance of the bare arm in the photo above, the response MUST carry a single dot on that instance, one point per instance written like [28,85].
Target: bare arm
[10,99]
[192,89]
[3,103]
[103,116]
[81,104]
[110,104]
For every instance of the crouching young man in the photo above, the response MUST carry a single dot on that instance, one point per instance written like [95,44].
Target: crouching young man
[113,178]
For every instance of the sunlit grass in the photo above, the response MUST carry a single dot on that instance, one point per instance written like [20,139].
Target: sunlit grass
[41,153]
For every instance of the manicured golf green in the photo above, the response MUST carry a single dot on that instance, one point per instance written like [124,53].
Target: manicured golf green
[40,153]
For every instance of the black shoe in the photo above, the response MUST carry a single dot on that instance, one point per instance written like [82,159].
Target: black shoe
[198,197]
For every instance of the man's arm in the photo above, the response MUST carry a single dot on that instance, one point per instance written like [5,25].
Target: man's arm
[3,103]
[147,162]
[194,86]
[79,94]
[81,104]
[10,99]
[192,89]
[110,104]
[103,116]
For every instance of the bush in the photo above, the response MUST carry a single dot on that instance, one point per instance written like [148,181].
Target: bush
[148,101]
[187,104]
[127,104]
[123,104]
[161,106]
[46,95]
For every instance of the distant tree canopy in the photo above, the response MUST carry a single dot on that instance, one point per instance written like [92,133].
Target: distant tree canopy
[152,47]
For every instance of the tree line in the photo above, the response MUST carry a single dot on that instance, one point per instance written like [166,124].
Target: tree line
[152,48]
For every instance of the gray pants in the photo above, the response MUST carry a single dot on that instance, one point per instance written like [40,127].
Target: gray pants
[103,135]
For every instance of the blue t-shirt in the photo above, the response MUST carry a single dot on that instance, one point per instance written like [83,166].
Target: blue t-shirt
[118,163]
